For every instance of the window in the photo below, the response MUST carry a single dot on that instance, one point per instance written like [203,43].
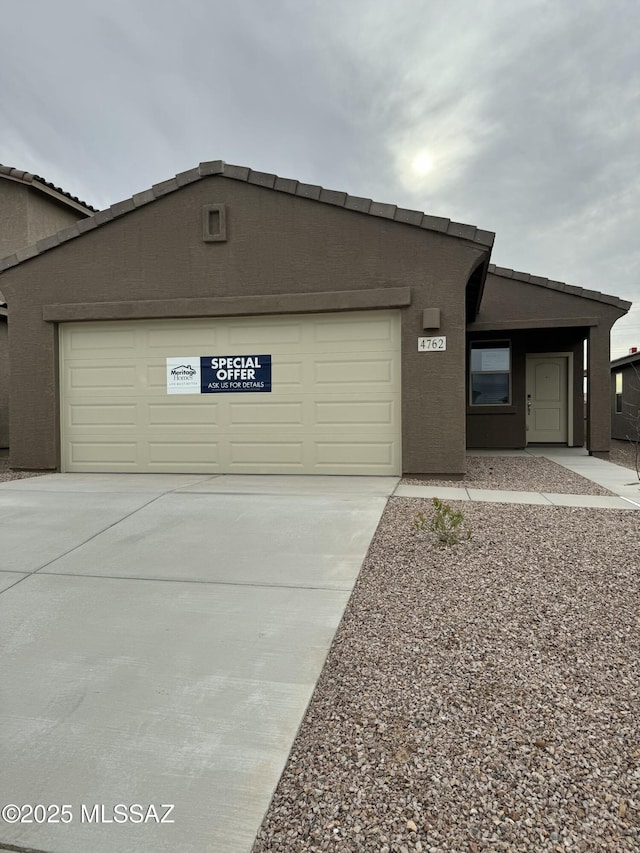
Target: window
[618,393]
[490,381]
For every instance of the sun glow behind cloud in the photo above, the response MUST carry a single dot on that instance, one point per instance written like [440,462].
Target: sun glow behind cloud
[422,163]
[431,167]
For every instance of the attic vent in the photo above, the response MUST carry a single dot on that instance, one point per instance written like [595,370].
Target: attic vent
[214,223]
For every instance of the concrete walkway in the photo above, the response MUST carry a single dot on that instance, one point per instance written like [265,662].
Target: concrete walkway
[615,478]
[161,638]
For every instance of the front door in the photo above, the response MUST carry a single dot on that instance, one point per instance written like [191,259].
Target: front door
[547,399]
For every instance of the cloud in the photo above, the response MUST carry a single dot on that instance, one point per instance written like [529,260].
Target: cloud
[529,111]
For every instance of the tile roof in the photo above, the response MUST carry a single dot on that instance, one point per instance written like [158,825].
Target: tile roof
[28,178]
[262,179]
[526,277]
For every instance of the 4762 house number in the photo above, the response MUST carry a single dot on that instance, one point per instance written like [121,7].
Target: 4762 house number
[438,344]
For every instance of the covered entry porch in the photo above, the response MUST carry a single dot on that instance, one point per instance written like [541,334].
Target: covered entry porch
[525,387]
[526,356]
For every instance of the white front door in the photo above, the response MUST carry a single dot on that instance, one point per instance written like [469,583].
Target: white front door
[547,399]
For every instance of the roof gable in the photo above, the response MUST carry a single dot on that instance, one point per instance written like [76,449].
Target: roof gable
[273,182]
[550,284]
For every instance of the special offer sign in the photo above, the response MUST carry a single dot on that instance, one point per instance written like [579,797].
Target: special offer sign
[218,374]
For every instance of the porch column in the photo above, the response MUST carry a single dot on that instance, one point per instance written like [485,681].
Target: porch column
[599,390]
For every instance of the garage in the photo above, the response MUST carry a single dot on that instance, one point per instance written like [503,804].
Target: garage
[333,405]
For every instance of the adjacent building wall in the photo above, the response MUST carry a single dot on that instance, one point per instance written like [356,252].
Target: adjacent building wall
[46,216]
[277,245]
[4,383]
[14,231]
[626,425]
[28,215]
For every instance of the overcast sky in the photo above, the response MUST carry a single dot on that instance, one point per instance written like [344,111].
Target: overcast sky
[519,116]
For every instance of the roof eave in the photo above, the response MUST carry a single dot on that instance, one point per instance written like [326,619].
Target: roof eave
[43,186]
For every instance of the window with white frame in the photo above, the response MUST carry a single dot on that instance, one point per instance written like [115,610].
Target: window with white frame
[490,373]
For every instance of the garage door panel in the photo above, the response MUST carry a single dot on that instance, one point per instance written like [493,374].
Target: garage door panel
[287,375]
[81,340]
[267,414]
[103,452]
[196,415]
[100,415]
[366,329]
[177,452]
[334,406]
[255,332]
[266,454]
[172,339]
[338,372]
[353,453]
[97,378]
[363,413]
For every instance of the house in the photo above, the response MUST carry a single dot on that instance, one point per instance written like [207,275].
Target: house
[228,320]
[625,397]
[30,210]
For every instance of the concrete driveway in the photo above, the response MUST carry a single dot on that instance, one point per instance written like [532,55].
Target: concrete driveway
[161,638]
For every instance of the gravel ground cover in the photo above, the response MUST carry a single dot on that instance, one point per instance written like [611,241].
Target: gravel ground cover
[623,453]
[6,474]
[522,473]
[478,697]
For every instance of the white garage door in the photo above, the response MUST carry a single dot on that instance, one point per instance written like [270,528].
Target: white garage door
[334,407]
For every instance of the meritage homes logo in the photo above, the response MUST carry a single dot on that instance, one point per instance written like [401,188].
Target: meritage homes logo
[183,371]
[183,375]
[218,374]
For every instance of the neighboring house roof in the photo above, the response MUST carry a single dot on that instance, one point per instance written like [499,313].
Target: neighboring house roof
[262,179]
[632,358]
[45,186]
[559,285]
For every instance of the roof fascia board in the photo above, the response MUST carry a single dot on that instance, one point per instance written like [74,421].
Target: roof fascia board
[550,323]
[60,197]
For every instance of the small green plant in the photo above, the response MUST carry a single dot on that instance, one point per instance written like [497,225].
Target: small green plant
[446,523]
